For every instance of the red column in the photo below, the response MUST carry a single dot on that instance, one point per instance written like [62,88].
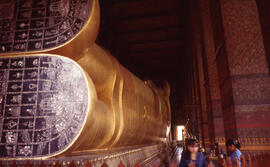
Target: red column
[200,76]
[243,74]
[214,101]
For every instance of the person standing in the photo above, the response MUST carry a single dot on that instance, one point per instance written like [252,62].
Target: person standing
[191,157]
[233,147]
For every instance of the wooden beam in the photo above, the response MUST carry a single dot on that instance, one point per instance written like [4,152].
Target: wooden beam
[157,61]
[160,72]
[153,54]
[139,8]
[164,27]
[147,23]
[156,50]
[114,2]
[154,45]
[152,41]
[156,34]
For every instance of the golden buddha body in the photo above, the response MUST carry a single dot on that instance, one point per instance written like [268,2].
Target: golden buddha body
[62,94]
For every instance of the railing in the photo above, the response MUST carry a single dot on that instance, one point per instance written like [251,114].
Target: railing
[248,160]
[255,160]
[132,157]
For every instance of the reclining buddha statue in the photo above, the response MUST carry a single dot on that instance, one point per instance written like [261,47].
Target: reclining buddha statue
[61,94]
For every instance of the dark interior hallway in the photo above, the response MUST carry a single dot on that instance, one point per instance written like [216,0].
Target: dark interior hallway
[214,54]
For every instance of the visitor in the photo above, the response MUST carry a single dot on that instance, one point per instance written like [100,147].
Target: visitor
[233,147]
[191,157]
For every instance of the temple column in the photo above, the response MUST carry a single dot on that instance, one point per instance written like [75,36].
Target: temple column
[202,89]
[264,13]
[243,73]
[197,100]
[214,102]
[200,76]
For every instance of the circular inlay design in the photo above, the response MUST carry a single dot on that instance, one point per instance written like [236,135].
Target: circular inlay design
[43,105]
[32,25]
